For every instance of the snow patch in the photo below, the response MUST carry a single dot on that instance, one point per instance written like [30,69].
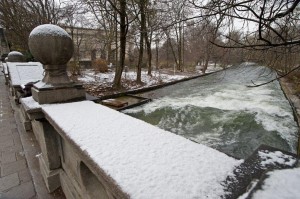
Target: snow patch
[14,53]
[22,73]
[281,184]
[277,157]
[30,103]
[49,30]
[156,78]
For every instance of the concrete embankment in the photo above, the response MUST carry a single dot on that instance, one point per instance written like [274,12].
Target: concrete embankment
[290,92]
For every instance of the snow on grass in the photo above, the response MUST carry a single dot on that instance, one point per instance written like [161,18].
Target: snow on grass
[129,78]
[281,184]
[106,78]
[145,161]
[275,157]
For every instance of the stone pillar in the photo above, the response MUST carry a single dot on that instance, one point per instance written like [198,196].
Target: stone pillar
[15,56]
[53,47]
[50,159]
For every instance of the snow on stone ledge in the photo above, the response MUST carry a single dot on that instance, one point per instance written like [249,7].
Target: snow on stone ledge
[14,53]
[145,161]
[281,184]
[29,103]
[22,73]
[277,157]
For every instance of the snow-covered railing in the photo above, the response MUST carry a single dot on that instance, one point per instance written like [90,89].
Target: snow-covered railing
[92,151]
[22,73]
[128,158]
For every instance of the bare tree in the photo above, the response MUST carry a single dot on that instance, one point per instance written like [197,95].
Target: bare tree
[177,12]
[117,9]
[270,29]
[264,20]
[19,17]
[143,35]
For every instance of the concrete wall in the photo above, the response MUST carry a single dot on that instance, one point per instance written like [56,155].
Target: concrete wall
[63,164]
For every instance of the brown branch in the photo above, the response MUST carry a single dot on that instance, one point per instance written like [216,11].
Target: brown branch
[277,78]
[262,46]
[282,14]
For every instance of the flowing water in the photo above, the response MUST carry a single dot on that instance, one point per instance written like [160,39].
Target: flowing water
[220,111]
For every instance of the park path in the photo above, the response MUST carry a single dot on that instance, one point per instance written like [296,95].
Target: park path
[15,177]
[20,176]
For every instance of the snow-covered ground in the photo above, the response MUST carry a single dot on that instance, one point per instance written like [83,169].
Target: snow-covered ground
[89,76]
[129,78]
[281,184]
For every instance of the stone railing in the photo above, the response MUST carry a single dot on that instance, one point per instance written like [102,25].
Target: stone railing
[92,151]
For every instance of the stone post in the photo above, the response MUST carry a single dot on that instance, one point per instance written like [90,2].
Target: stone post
[15,56]
[53,47]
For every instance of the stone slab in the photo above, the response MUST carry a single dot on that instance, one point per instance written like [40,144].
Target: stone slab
[9,181]
[68,187]
[22,73]
[24,191]
[8,157]
[13,167]
[15,148]
[58,95]
[51,177]
[24,176]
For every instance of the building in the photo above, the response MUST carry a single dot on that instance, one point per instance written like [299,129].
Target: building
[91,44]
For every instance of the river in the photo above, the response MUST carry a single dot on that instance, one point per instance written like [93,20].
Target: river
[220,111]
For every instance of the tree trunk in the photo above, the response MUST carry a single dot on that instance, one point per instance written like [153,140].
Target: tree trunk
[123,32]
[173,53]
[156,49]
[179,49]
[149,52]
[139,65]
[142,36]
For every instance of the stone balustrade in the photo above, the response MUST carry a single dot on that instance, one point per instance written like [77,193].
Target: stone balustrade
[92,151]
[21,74]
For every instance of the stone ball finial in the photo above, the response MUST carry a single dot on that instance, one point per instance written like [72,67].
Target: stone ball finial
[15,56]
[51,45]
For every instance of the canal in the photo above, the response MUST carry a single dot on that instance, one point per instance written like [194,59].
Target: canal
[220,110]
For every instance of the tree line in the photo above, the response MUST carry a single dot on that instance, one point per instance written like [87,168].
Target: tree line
[170,33]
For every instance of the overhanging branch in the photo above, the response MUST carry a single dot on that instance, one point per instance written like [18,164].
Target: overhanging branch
[277,78]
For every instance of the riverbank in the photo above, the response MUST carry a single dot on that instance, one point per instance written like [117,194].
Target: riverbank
[290,92]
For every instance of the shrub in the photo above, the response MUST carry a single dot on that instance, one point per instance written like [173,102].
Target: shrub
[100,65]
[74,68]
